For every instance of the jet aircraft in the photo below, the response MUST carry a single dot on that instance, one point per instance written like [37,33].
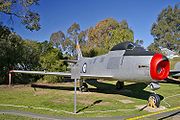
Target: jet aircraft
[126,61]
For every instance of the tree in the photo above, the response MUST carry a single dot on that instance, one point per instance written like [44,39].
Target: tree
[22,10]
[10,43]
[57,39]
[154,48]
[10,47]
[166,30]
[139,42]
[66,42]
[30,55]
[108,33]
[51,62]
[95,40]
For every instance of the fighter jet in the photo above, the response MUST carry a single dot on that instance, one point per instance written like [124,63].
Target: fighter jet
[126,61]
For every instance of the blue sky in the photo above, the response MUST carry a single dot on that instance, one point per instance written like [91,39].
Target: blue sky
[60,14]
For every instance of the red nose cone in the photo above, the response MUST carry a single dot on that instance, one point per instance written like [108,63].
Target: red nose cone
[159,67]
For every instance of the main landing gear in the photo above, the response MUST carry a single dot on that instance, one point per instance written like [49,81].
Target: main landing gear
[83,86]
[119,85]
[154,99]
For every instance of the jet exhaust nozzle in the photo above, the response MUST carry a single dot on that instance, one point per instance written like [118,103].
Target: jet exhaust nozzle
[159,67]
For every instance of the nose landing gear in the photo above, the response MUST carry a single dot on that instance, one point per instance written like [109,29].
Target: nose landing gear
[154,99]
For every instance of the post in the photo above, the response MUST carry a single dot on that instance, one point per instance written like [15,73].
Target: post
[9,79]
[75,74]
[75,80]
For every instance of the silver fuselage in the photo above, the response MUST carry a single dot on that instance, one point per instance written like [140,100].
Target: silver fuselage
[119,66]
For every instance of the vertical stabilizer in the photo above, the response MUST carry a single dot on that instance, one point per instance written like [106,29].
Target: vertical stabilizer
[78,49]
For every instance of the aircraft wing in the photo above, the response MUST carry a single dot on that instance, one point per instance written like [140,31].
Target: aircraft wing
[65,74]
[42,72]
[96,76]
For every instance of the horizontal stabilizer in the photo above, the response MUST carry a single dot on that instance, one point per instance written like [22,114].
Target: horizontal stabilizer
[70,61]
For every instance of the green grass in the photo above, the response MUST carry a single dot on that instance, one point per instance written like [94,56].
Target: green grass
[92,104]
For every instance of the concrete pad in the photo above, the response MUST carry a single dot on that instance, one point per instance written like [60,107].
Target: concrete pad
[149,109]
[126,101]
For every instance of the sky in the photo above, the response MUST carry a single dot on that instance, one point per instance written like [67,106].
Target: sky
[59,15]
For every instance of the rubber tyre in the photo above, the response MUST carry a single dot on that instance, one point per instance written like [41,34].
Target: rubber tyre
[156,99]
[119,85]
[84,87]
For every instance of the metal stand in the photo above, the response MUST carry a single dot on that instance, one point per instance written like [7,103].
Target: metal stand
[9,79]
[75,80]
[75,74]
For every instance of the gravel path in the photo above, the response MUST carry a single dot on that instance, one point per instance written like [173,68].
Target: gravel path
[48,117]
[171,115]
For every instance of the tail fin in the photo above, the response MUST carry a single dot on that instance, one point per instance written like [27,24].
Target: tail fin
[78,50]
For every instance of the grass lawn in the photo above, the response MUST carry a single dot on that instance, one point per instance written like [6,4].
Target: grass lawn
[103,101]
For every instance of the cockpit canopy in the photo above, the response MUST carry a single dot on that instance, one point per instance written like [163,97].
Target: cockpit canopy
[131,49]
[125,46]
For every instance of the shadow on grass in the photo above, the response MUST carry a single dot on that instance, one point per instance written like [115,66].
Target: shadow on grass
[45,86]
[93,104]
[135,90]
[132,90]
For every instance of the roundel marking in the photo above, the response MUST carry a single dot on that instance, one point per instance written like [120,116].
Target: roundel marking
[84,68]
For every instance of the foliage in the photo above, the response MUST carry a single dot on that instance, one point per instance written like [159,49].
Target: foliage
[30,54]
[50,61]
[139,42]
[166,29]
[29,60]
[154,48]
[95,40]
[20,54]
[66,42]
[22,10]
[106,34]
[57,39]
[10,45]
[16,53]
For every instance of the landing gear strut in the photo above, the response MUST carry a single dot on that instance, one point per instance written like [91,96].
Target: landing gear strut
[83,86]
[119,85]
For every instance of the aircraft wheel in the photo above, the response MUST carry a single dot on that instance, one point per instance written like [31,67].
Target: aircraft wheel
[154,101]
[84,87]
[119,85]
